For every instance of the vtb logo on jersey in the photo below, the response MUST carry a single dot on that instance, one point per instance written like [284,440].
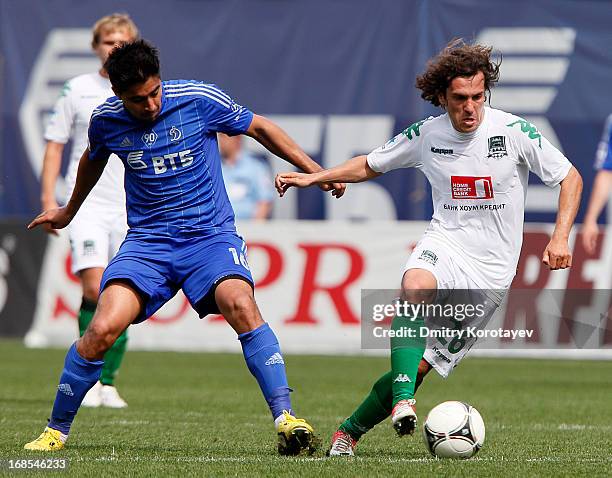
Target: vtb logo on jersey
[160,164]
[472,187]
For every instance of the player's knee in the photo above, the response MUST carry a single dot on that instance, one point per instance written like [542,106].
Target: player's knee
[424,368]
[418,287]
[98,338]
[240,305]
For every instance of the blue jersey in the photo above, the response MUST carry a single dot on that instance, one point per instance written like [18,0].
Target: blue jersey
[173,178]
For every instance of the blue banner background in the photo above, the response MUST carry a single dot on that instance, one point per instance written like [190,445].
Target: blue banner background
[316,57]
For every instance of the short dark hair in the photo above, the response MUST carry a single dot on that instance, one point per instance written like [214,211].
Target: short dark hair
[132,63]
[457,59]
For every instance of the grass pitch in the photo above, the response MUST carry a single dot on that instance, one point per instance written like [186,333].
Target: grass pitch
[202,414]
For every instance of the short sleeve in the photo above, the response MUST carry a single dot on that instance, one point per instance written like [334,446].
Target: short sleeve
[97,149]
[541,157]
[62,117]
[223,114]
[401,151]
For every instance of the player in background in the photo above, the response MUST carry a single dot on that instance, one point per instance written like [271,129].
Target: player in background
[601,188]
[182,233]
[477,160]
[248,181]
[101,224]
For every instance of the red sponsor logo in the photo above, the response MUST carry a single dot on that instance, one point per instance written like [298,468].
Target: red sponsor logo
[472,187]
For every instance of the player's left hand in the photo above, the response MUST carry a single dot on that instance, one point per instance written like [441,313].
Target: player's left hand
[557,255]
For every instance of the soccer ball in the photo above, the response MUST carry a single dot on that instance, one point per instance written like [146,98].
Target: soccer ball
[454,430]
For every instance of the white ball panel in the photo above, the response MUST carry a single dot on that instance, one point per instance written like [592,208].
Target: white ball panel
[447,417]
[477,426]
[454,448]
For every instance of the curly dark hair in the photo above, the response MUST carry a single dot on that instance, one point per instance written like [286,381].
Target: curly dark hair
[132,63]
[458,58]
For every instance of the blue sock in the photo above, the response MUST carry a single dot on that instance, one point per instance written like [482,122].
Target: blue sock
[263,357]
[78,376]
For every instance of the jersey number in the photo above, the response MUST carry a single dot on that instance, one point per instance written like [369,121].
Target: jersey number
[239,259]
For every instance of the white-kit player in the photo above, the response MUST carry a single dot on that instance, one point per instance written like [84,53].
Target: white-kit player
[477,160]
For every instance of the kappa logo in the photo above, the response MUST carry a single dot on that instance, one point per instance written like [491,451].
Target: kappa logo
[429,256]
[175,134]
[441,150]
[126,143]
[149,138]
[472,187]
[402,378]
[66,389]
[497,147]
[275,359]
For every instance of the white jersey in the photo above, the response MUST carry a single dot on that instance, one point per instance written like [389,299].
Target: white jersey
[479,185]
[70,120]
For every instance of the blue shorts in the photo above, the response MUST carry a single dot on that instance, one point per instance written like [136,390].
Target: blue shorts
[159,265]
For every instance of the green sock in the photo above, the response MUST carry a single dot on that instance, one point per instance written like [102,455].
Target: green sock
[406,353]
[86,313]
[113,356]
[112,360]
[374,409]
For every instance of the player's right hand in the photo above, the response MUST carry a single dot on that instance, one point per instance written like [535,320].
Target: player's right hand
[590,233]
[57,218]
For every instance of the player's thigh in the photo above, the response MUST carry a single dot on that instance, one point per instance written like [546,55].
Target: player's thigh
[205,263]
[144,262]
[89,242]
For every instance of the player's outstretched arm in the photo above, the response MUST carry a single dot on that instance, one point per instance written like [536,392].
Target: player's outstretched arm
[599,197]
[87,176]
[355,170]
[275,140]
[557,254]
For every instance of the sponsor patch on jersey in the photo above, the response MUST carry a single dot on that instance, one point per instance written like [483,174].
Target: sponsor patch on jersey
[428,256]
[134,159]
[441,150]
[497,147]
[89,247]
[472,187]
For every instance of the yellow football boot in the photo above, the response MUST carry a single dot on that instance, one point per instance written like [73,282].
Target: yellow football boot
[295,436]
[49,440]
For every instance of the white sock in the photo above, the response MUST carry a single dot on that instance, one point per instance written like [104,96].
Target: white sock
[278,420]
